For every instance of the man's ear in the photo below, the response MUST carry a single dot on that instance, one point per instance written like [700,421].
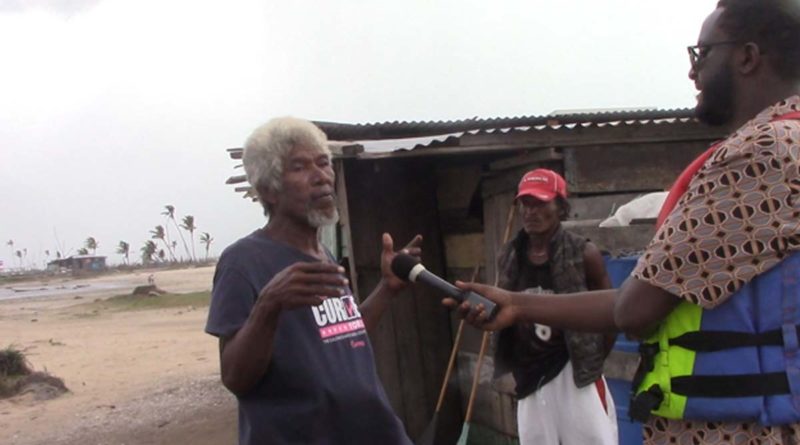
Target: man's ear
[749,58]
[268,195]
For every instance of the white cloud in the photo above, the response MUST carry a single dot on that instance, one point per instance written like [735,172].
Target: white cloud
[64,8]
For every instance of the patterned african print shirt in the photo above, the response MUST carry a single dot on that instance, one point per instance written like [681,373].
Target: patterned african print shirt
[739,217]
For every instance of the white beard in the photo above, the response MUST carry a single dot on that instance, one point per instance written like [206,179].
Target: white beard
[319,218]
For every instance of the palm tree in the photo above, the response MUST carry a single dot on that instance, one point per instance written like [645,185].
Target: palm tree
[19,257]
[83,251]
[159,233]
[188,225]
[10,245]
[124,248]
[169,212]
[206,239]
[148,250]
[91,244]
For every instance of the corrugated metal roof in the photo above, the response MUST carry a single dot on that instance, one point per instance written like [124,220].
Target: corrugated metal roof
[387,145]
[382,138]
[450,139]
[393,136]
[398,130]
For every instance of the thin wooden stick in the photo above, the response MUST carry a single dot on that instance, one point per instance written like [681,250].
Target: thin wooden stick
[454,352]
[450,366]
[507,233]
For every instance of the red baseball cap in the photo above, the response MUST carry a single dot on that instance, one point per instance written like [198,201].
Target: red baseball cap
[542,184]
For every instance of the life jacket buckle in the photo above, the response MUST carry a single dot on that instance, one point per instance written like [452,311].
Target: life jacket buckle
[645,402]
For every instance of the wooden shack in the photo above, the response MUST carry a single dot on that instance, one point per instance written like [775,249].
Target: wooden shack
[78,264]
[454,183]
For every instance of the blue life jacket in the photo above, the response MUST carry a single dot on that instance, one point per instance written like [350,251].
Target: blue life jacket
[737,362]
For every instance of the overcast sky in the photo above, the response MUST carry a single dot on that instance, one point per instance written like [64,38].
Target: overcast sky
[111,109]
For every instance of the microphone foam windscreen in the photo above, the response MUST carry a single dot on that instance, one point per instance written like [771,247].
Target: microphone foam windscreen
[402,265]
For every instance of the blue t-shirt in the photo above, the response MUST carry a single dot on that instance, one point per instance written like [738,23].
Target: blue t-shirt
[321,386]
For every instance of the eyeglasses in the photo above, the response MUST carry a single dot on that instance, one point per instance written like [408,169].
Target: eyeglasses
[699,52]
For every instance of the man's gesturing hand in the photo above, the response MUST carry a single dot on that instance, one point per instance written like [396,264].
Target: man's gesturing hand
[387,255]
[304,284]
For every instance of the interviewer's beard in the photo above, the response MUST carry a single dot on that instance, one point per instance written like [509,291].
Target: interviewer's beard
[716,109]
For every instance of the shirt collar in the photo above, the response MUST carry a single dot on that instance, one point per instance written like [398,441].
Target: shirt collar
[785,106]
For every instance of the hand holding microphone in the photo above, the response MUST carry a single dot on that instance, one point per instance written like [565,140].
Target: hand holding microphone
[409,269]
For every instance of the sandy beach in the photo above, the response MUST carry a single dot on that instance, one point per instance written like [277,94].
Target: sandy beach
[136,376]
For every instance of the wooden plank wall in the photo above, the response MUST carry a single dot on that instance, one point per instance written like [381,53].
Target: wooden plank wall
[459,187]
[412,344]
[627,168]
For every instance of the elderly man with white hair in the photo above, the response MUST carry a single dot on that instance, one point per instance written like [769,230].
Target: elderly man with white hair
[293,342]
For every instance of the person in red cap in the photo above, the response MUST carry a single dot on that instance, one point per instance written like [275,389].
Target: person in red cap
[558,374]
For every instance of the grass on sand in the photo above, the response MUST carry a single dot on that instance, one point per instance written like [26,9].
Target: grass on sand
[145,302]
[16,376]
[13,367]
[13,362]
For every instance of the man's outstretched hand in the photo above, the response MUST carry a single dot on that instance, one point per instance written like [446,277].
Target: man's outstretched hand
[393,282]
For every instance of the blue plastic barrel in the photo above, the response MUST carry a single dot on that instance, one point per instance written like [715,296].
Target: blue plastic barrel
[630,432]
[619,269]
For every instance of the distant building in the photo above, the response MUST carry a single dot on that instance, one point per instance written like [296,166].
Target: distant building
[78,263]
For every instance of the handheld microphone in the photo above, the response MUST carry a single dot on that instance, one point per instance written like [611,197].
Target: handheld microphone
[409,269]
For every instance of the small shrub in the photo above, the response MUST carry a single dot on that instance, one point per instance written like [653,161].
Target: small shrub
[13,366]
[13,363]
[16,377]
